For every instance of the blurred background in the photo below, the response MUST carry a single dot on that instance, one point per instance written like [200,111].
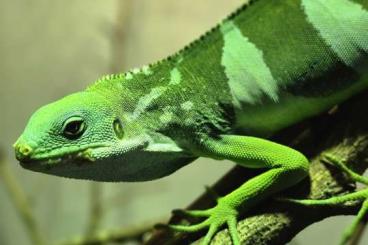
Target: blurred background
[52,48]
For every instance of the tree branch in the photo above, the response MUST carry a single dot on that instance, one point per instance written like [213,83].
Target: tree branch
[342,132]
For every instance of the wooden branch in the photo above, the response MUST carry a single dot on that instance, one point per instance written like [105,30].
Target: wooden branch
[342,132]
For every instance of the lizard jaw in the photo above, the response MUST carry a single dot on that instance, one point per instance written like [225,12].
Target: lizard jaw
[43,163]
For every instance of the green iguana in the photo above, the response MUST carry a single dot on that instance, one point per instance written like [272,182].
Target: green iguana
[268,66]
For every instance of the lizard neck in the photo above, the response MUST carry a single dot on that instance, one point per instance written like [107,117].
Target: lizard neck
[187,90]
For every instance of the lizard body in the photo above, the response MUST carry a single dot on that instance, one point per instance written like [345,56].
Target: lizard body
[269,65]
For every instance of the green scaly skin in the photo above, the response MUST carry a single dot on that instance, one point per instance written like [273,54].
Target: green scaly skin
[269,65]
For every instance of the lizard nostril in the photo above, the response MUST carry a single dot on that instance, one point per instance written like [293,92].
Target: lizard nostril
[25,150]
[22,151]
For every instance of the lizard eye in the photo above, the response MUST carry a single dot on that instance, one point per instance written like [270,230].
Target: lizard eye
[73,128]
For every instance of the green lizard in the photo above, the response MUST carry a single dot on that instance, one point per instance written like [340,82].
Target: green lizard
[269,65]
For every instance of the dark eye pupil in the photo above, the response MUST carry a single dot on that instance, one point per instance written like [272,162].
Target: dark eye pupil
[74,129]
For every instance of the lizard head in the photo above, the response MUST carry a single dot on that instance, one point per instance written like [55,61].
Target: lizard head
[85,136]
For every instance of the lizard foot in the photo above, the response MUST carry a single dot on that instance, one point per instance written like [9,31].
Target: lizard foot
[361,195]
[341,163]
[216,217]
[338,200]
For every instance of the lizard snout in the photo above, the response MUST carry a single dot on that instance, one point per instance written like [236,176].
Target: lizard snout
[22,151]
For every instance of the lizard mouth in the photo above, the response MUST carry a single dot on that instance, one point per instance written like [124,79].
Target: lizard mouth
[77,157]
[101,161]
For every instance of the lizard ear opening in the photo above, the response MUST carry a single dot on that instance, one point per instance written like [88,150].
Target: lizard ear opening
[118,128]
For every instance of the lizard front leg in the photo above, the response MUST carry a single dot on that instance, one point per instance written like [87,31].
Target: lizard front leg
[285,165]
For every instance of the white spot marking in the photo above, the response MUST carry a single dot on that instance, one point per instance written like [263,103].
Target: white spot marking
[161,143]
[166,117]
[136,70]
[187,105]
[128,76]
[146,70]
[175,77]
[146,100]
